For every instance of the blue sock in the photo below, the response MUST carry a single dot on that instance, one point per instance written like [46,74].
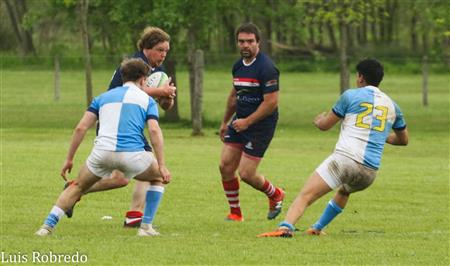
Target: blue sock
[288,225]
[152,200]
[53,217]
[331,211]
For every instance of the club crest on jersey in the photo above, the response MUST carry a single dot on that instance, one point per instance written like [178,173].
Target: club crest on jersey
[249,145]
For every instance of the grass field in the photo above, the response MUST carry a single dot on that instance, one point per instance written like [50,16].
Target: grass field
[402,219]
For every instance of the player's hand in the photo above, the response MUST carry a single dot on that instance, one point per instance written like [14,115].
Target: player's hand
[319,118]
[166,103]
[169,89]
[222,130]
[240,125]
[165,174]
[67,167]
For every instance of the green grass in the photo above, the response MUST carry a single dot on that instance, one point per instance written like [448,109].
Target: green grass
[403,218]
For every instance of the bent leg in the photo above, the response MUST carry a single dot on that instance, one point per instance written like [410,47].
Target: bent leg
[313,189]
[149,195]
[341,197]
[71,194]
[67,199]
[117,180]
[333,208]
[247,172]
[138,197]
[229,161]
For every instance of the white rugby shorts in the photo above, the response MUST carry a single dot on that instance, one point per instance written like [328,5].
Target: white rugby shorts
[339,170]
[102,163]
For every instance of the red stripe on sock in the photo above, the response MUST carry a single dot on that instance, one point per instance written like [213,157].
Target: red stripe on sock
[270,190]
[232,185]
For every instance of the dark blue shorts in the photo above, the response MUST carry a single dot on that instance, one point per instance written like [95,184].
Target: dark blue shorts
[254,141]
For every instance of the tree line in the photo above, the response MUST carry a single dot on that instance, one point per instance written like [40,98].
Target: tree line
[290,27]
[340,29]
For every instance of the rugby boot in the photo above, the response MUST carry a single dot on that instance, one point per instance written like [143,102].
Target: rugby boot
[280,232]
[275,205]
[147,230]
[234,218]
[44,230]
[315,232]
[133,219]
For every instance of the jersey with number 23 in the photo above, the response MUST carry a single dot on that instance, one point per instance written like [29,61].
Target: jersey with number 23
[368,116]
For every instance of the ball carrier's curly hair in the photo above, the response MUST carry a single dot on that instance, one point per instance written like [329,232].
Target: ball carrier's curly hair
[150,37]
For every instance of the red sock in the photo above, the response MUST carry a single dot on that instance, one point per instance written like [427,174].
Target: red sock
[231,189]
[134,214]
[270,190]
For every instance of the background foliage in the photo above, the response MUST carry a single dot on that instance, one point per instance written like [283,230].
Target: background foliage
[393,30]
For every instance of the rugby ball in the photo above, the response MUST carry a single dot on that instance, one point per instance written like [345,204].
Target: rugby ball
[157,79]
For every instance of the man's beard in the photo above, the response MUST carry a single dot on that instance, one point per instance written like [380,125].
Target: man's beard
[246,54]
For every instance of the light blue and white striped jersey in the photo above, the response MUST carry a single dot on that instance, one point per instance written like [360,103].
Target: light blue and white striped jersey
[123,113]
[368,117]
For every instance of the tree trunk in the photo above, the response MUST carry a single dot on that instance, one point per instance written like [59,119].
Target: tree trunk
[26,34]
[413,30]
[373,24]
[332,36]
[229,38]
[57,79]
[381,23]
[12,16]
[320,35]
[446,49]
[425,69]
[16,10]
[312,37]
[172,114]
[198,93]
[191,67]
[392,6]
[265,42]
[343,58]
[364,30]
[425,80]
[350,37]
[83,6]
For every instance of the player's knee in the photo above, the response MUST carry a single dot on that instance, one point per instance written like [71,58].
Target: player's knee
[225,170]
[122,182]
[343,192]
[80,187]
[245,175]
[117,175]
[158,182]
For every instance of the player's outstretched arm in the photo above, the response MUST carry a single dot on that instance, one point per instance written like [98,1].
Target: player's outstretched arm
[157,140]
[398,137]
[325,121]
[86,122]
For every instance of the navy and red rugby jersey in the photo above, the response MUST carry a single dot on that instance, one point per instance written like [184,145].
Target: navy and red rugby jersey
[251,82]
[116,80]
